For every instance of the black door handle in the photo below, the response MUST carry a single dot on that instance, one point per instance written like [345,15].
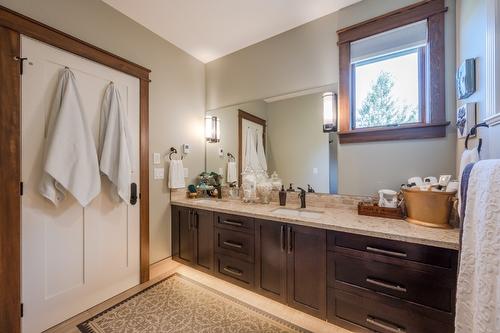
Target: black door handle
[133,194]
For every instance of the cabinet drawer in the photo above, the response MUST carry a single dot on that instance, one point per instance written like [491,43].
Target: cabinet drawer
[235,244]
[431,286]
[396,249]
[235,270]
[234,222]
[384,314]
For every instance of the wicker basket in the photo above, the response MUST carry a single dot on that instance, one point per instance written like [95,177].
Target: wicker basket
[429,208]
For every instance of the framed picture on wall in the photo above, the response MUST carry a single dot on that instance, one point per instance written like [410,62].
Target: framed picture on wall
[466,79]
[466,119]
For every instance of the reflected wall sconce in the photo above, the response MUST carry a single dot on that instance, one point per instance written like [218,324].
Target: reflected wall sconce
[329,112]
[212,129]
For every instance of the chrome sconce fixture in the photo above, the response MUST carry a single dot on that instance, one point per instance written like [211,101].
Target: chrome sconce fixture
[329,112]
[212,129]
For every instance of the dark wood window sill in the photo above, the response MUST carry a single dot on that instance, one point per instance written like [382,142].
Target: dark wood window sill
[408,132]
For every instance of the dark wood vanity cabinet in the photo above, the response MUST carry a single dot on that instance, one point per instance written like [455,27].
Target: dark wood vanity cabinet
[390,286]
[271,260]
[234,249]
[366,284]
[192,237]
[291,265]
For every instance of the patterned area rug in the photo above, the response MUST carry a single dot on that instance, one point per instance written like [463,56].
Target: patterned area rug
[180,305]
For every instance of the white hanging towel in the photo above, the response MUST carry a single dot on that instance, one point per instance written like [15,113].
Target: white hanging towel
[115,145]
[176,174]
[468,156]
[70,152]
[251,158]
[478,288]
[232,172]
[260,151]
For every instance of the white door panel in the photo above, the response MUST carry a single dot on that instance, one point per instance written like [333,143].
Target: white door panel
[72,257]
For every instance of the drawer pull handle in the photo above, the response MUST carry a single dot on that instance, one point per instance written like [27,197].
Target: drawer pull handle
[233,223]
[385,325]
[386,252]
[233,271]
[386,285]
[231,244]
[290,239]
[282,238]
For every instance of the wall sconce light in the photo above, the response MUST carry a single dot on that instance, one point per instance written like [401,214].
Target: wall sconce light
[329,112]
[212,129]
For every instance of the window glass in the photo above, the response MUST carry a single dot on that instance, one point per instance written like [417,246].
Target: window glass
[386,90]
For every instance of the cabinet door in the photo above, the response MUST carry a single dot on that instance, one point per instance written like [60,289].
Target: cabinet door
[182,235]
[270,259]
[204,239]
[306,269]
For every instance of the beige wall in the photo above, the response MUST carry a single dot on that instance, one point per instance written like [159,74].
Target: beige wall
[471,43]
[177,90]
[296,143]
[307,57]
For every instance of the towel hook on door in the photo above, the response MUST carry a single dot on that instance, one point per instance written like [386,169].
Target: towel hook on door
[173,151]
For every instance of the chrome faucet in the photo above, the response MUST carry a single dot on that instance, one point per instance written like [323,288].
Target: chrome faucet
[302,197]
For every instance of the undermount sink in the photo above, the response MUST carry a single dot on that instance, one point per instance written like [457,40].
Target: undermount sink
[310,214]
[208,201]
[204,201]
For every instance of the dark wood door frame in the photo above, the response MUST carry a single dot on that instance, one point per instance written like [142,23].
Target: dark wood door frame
[15,25]
[250,117]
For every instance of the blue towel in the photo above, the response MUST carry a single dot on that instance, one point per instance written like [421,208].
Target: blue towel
[464,186]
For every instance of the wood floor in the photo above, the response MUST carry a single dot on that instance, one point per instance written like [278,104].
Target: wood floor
[168,267]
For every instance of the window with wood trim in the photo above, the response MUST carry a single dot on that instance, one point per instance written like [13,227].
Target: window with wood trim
[392,84]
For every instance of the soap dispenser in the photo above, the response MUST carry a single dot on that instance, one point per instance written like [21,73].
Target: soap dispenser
[282,196]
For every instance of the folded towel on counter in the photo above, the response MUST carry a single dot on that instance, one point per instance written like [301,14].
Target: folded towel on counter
[70,152]
[176,174]
[115,145]
[468,156]
[478,286]
[232,172]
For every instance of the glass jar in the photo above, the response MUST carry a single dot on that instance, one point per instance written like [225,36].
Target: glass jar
[264,190]
[276,181]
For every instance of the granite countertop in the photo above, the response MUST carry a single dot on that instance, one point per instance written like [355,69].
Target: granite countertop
[342,218]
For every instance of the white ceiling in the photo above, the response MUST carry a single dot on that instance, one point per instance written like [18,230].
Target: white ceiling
[210,29]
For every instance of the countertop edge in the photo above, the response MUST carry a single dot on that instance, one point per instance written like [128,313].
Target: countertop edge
[319,225]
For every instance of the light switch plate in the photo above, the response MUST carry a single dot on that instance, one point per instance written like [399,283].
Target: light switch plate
[221,152]
[315,171]
[159,173]
[156,158]
[186,148]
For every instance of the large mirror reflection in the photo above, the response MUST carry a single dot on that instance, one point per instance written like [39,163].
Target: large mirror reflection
[283,136]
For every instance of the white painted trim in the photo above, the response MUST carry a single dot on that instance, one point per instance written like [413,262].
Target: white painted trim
[325,88]
[493,120]
[492,58]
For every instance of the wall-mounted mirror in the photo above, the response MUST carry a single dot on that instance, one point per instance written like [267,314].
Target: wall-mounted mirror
[296,147]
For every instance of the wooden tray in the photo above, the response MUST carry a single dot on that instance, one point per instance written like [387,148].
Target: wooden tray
[375,210]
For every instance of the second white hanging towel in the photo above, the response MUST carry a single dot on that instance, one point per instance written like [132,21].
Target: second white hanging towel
[115,145]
